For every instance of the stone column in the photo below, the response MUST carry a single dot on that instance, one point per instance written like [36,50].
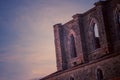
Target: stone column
[57,40]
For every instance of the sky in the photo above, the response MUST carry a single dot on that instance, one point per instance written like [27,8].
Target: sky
[27,48]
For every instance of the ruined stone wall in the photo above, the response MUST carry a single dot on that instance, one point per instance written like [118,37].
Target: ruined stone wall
[95,16]
[63,44]
[110,69]
[88,61]
[61,59]
[72,28]
[82,29]
[111,13]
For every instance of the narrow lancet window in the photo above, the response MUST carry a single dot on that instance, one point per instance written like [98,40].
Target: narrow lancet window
[118,17]
[96,36]
[99,74]
[71,78]
[117,20]
[72,47]
[96,30]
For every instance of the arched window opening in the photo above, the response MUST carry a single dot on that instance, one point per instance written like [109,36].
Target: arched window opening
[75,63]
[72,47]
[118,17]
[96,36]
[71,78]
[96,30]
[99,74]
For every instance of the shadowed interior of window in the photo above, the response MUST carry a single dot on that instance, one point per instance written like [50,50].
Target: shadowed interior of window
[99,74]
[73,47]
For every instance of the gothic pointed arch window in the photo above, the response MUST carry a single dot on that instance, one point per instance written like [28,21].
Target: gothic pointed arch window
[96,36]
[118,14]
[72,47]
[71,78]
[118,17]
[117,20]
[99,74]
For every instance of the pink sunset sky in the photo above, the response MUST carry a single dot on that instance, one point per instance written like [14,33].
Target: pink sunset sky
[27,48]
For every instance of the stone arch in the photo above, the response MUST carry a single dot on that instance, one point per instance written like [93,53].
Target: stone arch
[72,32]
[72,78]
[72,39]
[99,74]
[94,33]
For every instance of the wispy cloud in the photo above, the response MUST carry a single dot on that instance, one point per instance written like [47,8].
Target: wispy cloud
[27,39]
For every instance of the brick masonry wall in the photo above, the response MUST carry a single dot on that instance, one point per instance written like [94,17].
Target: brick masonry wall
[110,68]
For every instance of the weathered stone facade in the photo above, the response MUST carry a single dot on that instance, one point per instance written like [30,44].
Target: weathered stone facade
[88,46]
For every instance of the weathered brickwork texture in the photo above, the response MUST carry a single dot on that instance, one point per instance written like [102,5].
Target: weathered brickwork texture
[88,46]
